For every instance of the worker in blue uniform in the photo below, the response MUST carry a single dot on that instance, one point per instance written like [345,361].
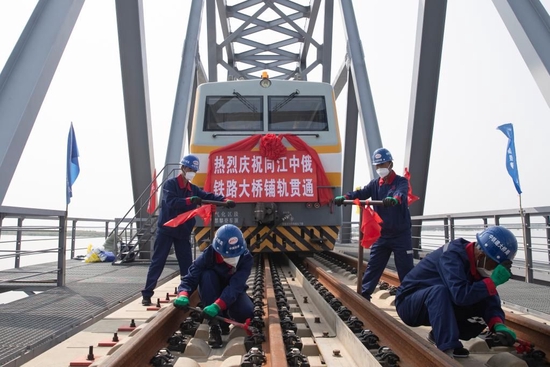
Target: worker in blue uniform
[395,235]
[179,195]
[455,285]
[220,273]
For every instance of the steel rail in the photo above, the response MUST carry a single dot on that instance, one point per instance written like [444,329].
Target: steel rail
[525,328]
[275,351]
[412,350]
[140,348]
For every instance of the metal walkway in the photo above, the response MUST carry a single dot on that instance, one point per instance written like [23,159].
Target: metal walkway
[34,324]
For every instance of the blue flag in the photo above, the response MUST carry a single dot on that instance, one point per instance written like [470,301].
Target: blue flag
[73,168]
[511,161]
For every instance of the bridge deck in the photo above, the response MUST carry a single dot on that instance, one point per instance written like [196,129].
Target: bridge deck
[34,324]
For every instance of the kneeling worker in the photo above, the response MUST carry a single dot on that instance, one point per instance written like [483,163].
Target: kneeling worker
[457,283]
[220,273]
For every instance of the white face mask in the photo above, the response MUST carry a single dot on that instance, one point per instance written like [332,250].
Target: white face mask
[233,261]
[484,272]
[383,172]
[189,175]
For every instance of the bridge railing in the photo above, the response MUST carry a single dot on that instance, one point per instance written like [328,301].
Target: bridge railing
[30,236]
[532,230]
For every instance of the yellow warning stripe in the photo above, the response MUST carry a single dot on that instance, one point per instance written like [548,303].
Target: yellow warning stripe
[281,239]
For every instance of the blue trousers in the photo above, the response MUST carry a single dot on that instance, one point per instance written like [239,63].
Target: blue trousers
[161,249]
[380,254]
[433,306]
[210,289]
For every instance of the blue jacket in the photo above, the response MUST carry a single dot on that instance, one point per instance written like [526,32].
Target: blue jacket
[453,265]
[235,278]
[174,203]
[397,219]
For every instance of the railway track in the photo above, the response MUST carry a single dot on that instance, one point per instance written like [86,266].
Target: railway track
[310,316]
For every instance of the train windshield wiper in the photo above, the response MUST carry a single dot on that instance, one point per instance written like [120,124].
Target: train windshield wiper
[285,101]
[245,101]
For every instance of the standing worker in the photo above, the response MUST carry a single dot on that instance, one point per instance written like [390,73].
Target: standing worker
[220,273]
[395,236]
[455,285]
[179,195]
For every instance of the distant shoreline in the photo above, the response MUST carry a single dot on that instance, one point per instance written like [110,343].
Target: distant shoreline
[79,233]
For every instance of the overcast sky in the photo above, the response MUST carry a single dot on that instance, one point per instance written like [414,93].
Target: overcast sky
[484,83]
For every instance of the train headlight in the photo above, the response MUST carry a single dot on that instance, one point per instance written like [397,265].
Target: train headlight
[265,82]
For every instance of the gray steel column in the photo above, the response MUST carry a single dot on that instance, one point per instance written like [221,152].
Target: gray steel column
[27,75]
[341,79]
[371,133]
[427,62]
[350,146]
[213,55]
[133,64]
[529,25]
[185,84]
[327,40]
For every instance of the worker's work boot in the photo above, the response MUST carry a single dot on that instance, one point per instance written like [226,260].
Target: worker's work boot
[215,336]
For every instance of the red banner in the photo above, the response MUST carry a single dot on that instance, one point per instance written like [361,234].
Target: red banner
[248,176]
[247,144]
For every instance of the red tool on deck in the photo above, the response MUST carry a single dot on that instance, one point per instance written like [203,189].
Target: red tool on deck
[250,330]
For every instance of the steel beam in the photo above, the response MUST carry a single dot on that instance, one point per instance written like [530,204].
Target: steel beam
[27,75]
[529,25]
[327,40]
[182,105]
[213,50]
[427,62]
[259,56]
[341,79]
[371,132]
[350,147]
[133,64]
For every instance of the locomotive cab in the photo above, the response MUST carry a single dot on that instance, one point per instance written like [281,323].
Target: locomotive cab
[274,148]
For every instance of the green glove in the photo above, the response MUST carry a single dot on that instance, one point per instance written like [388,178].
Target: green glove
[339,200]
[507,333]
[389,201]
[211,310]
[195,200]
[500,275]
[181,302]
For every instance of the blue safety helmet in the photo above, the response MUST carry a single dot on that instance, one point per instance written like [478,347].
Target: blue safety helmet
[229,241]
[190,161]
[498,243]
[381,155]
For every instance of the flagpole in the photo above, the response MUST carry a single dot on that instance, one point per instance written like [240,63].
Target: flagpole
[360,254]
[526,246]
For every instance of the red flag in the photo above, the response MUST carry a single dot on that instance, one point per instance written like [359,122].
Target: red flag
[370,226]
[153,196]
[205,212]
[411,198]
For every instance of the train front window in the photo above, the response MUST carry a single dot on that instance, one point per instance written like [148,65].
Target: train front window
[296,112]
[233,113]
